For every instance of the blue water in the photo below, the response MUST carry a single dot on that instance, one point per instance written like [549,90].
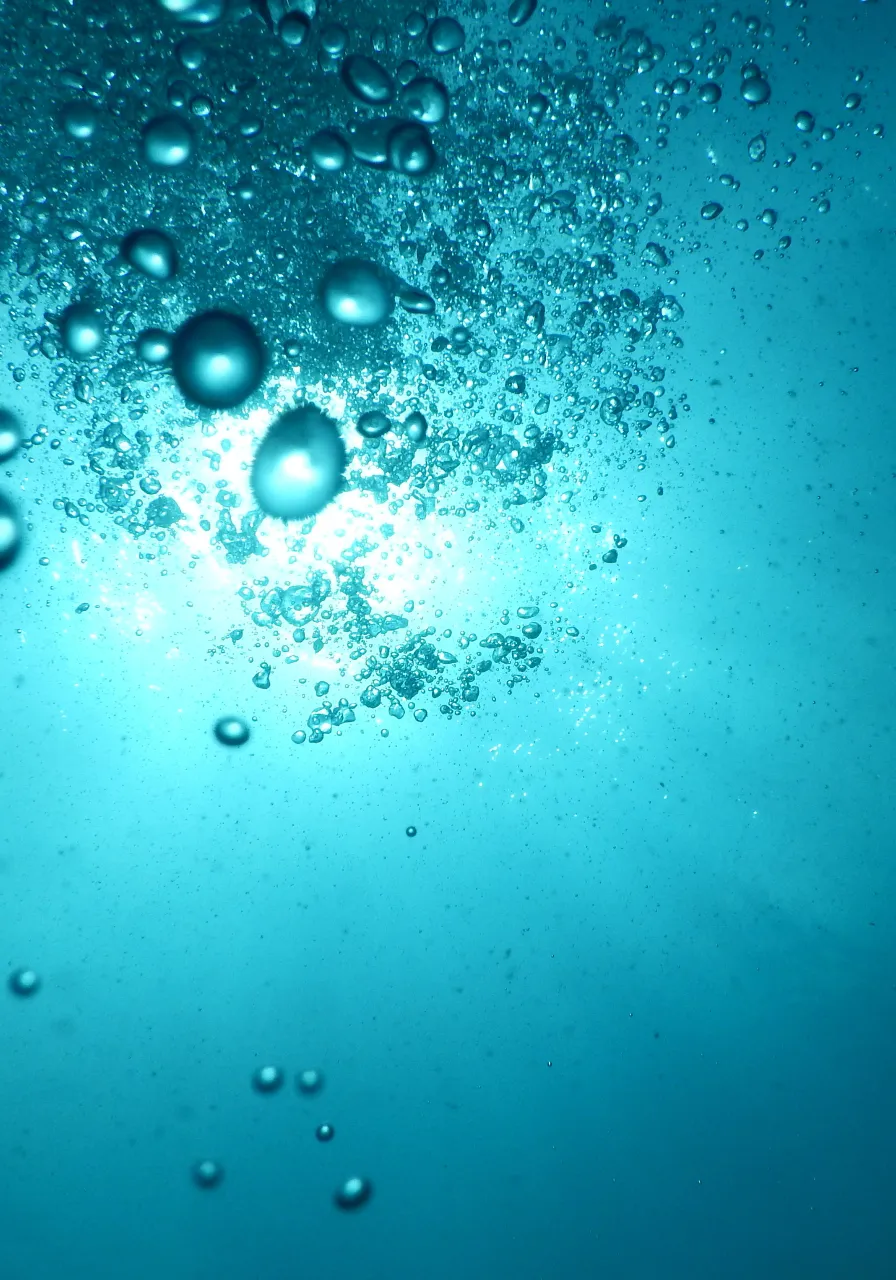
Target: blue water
[624,1005]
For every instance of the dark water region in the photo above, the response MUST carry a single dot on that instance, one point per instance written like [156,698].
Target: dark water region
[447,540]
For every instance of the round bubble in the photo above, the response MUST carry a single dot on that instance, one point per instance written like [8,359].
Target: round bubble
[79,120]
[446,35]
[353,1193]
[167,142]
[267,1079]
[426,100]
[207,1173]
[755,90]
[82,329]
[217,359]
[11,433]
[325,1133]
[410,831]
[329,151]
[410,149]
[373,424]
[356,292]
[310,1081]
[367,80]
[153,346]
[231,731]
[151,252]
[299,465]
[292,29]
[333,39]
[23,982]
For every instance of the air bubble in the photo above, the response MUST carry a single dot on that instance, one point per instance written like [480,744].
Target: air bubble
[446,35]
[355,292]
[299,465]
[11,433]
[82,330]
[353,1193]
[231,731]
[151,252]
[167,142]
[217,359]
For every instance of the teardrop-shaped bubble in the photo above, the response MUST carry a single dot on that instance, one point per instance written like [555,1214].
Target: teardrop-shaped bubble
[299,465]
[426,100]
[329,151]
[367,80]
[79,120]
[82,329]
[356,292]
[410,149]
[446,35]
[167,142]
[10,532]
[151,252]
[11,433]
[153,346]
[217,359]
[521,11]
[416,301]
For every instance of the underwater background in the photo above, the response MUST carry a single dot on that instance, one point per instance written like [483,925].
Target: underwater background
[488,868]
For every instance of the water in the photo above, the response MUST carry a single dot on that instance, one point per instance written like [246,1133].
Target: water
[484,870]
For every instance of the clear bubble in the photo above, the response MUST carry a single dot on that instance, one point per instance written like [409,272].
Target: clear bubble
[373,423]
[267,1079]
[804,121]
[11,433]
[367,80]
[426,100]
[416,427]
[370,141]
[23,982]
[416,301]
[151,252]
[153,346]
[310,1081]
[217,359]
[711,210]
[521,11]
[167,142]
[231,731]
[353,1193]
[446,35]
[333,39]
[299,465]
[329,151]
[410,149]
[79,120]
[410,831]
[292,29]
[207,1174]
[355,292]
[190,53]
[755,89]
[203,13]
[757,147]
[82,329]
[325,1133]
[709,93]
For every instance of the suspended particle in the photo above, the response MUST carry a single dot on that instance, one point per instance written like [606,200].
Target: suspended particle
[231,731]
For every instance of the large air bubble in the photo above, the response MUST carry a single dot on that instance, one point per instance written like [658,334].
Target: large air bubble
[356,292]
[217,359]
[299,465]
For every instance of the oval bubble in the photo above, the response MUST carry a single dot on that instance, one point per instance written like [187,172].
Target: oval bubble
[82,329]
[231,731]
[299,465]
[366,80]
[153,346]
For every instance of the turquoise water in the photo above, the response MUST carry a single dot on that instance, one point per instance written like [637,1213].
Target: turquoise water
[551,818]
